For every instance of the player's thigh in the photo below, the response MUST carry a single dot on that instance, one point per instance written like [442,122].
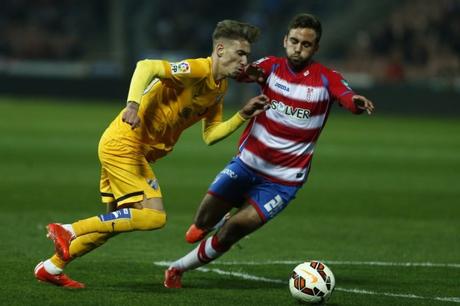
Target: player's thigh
[241,224]
[232,183]
[226,191]
[211,210]
[153,203]
[270,198]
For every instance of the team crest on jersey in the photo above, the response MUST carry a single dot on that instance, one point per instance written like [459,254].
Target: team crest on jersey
[310,91]
[153,183]
[180,67]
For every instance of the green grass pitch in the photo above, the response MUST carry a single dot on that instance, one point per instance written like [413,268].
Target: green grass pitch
[381,207]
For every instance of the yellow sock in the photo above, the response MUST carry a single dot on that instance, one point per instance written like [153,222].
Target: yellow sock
[86,243]
[123,220]
[82,245]
[58,262]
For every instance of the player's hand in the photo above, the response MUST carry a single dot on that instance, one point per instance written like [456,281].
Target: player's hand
[363,103]
[254,73]
[130,115]
[255,106]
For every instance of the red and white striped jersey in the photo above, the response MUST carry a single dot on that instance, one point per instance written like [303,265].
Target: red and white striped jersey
[279,143]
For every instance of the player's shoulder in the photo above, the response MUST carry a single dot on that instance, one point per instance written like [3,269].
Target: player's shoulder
[268,60]
[201,61]
[269,63]
[323,69]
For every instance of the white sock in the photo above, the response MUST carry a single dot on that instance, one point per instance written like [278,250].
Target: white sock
[69,228]
[204,253]
[51,268]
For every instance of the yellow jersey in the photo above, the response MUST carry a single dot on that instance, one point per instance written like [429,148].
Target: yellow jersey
[179,95]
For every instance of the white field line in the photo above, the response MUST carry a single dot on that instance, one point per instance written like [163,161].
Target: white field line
[247,276]
[400,295]
[243,275]
[332,262]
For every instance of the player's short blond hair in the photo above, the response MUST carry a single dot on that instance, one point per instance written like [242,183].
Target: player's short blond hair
[232,29]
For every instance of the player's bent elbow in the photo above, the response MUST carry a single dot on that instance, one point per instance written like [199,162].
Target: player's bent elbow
[149,64]
[142,63]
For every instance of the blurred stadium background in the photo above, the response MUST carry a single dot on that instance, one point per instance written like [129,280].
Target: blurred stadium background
[380,203]
[403,54]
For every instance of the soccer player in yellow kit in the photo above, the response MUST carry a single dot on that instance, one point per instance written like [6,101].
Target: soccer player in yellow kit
[164,99]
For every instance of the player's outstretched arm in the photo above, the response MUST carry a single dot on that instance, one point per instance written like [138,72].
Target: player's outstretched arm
[255,106]
[363,103]
[130,115]
[215,130]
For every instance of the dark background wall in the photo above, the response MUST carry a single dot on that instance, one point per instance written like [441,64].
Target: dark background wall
[405,55]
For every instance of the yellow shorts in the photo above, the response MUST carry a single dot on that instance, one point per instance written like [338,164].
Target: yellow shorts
[126,176]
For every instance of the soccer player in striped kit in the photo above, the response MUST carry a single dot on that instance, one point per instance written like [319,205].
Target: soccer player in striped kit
[275,149]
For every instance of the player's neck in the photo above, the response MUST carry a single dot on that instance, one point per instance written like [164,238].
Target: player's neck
[218,77]
[297,68]
[216,73]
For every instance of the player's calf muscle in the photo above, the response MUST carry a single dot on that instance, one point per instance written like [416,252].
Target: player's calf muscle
[231,233]
[122,220]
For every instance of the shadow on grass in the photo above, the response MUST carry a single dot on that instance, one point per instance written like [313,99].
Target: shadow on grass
[195,283]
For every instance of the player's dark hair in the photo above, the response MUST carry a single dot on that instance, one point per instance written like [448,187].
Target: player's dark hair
[233,29]
[306,21]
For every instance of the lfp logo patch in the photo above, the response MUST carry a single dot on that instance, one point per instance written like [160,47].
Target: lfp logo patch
[180,67]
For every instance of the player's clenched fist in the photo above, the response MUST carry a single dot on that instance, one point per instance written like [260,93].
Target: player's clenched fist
[130,115]
[255,106]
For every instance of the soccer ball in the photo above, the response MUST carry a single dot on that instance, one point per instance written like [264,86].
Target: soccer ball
[312,282]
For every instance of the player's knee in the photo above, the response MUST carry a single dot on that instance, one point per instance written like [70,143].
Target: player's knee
[203,223]
[155,219]
[147,219]
[162,221]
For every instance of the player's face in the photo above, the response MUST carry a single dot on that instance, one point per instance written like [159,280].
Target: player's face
[234,57]
[300,45]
